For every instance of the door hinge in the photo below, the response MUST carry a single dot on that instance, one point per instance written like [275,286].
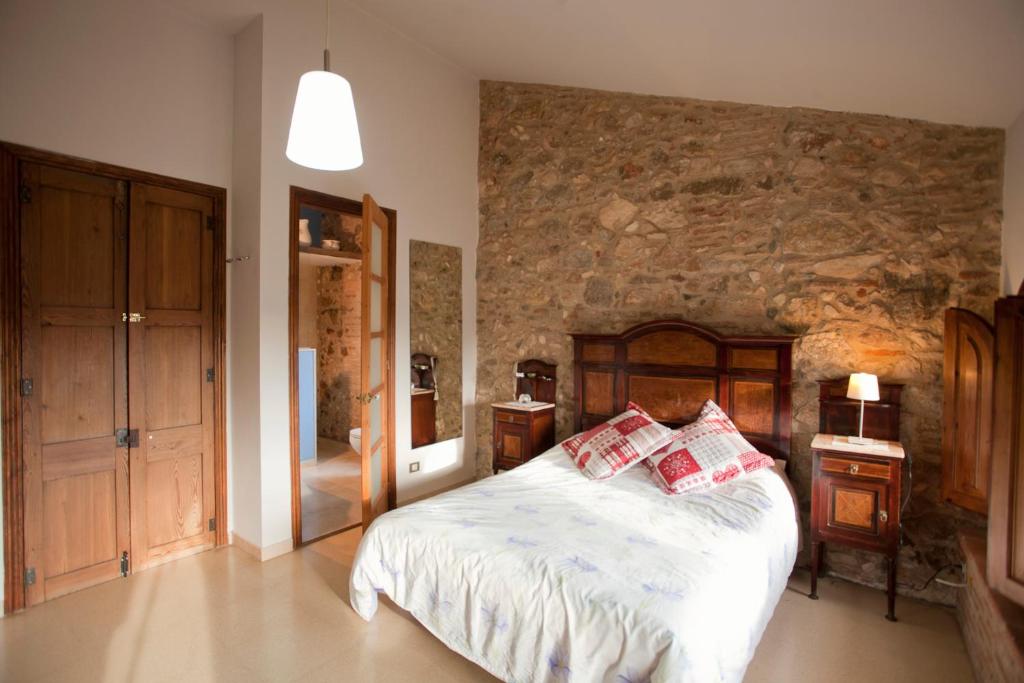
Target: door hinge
[124,563]
[211,222]
[30,576]
[26,387]
[213,524]
[26,194]
[209,374]
[125,437]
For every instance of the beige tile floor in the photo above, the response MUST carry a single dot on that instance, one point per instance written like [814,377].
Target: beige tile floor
[222,616]
[330,489]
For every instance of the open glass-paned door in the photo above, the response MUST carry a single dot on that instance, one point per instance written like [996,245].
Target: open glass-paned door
[376,362]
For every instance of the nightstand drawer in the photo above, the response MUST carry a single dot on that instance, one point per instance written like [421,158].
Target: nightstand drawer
[511,418]
[855,468]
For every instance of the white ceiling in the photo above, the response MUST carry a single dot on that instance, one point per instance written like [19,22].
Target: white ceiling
[952,61]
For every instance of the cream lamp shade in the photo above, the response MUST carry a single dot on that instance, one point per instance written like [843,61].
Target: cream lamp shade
[324,133]
[863,387]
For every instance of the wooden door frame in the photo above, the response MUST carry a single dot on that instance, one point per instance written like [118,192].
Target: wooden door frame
[11,155]
[350,207]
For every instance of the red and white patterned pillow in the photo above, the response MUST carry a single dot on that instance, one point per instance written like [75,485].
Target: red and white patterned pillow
[704,454]
[618,444]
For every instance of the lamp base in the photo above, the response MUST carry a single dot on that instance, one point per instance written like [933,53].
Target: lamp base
[860,440]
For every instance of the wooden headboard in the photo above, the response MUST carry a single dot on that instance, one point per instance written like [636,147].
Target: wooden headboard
[671,367]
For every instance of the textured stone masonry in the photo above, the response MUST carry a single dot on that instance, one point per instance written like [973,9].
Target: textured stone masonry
[339,292]
[601,210]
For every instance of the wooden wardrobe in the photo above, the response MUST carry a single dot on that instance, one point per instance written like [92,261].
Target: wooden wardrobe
[1005,561]
[114,347]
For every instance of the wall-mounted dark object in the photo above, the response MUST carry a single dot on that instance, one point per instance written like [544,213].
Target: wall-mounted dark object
[422,371]
[840,415]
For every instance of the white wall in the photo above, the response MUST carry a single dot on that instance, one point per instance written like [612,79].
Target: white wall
[165,89]
[243,284]
[115,82]
[1013,207]
[418,118]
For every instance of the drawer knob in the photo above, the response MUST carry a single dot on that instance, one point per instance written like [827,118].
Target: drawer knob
[883,516]
[853,468]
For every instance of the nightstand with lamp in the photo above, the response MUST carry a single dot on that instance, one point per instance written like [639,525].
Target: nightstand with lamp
[857,479]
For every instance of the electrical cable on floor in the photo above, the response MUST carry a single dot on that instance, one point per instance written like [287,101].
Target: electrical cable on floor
[934,577]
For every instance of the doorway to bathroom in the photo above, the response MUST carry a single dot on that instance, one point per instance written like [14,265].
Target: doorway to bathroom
[341,342]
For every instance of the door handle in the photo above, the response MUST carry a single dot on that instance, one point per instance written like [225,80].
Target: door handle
[132,317]
[366,398]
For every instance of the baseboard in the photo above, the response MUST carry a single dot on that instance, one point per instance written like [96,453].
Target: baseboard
[278,549]
[262,554]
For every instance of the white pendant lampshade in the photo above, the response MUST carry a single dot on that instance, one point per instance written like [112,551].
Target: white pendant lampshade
[324,133]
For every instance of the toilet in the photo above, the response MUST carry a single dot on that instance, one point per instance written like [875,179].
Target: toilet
[355,439]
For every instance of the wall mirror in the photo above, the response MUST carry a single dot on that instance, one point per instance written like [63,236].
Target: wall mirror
[435,341]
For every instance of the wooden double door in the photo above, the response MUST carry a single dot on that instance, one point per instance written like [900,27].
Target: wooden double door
[117,366]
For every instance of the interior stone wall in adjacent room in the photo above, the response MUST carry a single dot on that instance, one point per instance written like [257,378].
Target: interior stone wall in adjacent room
[308,305]
[601,210]
[339,293]
[435,325]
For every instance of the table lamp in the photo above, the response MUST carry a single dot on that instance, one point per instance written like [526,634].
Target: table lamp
[862,387]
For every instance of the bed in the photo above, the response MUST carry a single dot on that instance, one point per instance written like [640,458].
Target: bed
[540,574]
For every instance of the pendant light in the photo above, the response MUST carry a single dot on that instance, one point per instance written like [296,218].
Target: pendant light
[324,134]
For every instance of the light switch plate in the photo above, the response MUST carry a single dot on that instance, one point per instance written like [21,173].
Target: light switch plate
[414,467]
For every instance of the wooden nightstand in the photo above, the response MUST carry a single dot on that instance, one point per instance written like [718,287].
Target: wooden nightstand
[855,501]
[521,433]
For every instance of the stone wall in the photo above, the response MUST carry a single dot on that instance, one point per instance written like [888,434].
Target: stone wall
[339,293]
[601,210]
[435,325]
[308,304]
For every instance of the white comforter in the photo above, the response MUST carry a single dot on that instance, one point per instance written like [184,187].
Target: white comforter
[540,574]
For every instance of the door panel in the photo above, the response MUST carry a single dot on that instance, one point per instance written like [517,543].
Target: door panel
[76,382]
[77,228]
[173,360]
[170,351]
[73,349]
[850,508]
[174,277]
[376,364]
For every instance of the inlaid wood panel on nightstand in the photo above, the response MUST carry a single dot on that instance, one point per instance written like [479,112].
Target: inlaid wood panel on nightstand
[855,501]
